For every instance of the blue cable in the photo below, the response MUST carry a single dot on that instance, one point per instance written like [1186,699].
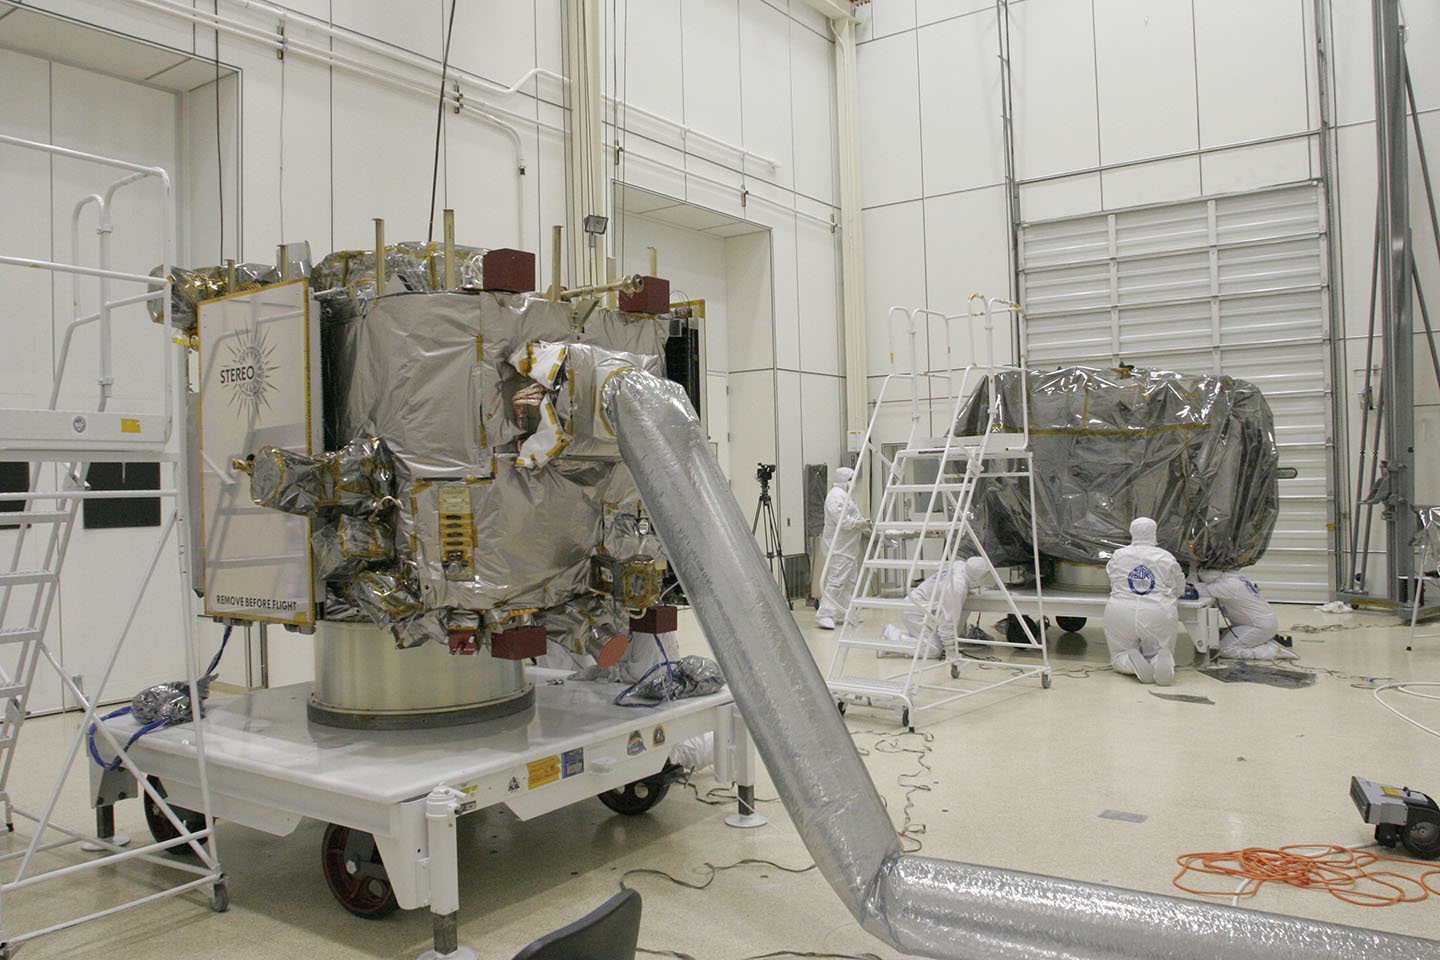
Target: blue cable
[670,666]
[154,724]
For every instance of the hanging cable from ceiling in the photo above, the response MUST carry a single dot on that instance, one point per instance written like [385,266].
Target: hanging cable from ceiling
[440,120]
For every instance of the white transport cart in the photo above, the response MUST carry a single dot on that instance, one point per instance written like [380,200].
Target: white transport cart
[392,797]
[926,506]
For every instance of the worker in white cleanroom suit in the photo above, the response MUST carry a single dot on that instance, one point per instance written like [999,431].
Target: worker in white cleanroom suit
[843,524]
[1141,618]
[948,589]
[1251,634]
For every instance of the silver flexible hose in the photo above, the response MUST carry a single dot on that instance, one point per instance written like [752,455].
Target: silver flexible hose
[935,908]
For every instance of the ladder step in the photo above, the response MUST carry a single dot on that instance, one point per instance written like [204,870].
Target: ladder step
[35,516]
[928,487]
[19,634]
[902,564]
[936,527]
[884,603]
[882,645]
[869,685]
[18,577]
[12,690]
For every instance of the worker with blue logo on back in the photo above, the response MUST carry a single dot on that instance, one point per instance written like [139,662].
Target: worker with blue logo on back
[1141,618]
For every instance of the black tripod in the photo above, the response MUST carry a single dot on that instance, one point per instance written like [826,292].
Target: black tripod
[765,508]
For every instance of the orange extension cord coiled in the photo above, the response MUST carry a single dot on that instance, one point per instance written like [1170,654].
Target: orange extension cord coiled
[1341,871]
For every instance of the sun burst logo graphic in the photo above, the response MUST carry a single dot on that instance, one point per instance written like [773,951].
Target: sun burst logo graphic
[248,372]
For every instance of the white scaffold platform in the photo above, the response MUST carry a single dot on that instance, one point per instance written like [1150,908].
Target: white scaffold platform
[1201,618]
[270,767]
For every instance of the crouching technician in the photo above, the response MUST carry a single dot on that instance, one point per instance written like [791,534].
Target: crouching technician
[947,589]
[1251,634]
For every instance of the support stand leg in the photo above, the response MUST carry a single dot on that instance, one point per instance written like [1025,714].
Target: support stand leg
[105,830]
[440,815]
[744,770]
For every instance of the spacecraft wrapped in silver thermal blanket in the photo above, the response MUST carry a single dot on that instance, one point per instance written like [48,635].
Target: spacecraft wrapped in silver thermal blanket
[1195,453]
[508,504]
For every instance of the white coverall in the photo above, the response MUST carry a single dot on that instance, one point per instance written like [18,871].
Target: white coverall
[1251,634]
[843,522]
[1141,618]
[953,586]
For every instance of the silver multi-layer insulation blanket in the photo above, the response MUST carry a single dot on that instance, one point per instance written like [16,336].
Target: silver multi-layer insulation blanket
[920,905]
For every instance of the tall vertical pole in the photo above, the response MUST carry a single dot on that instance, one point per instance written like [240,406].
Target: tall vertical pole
[1394,224]
[852,246]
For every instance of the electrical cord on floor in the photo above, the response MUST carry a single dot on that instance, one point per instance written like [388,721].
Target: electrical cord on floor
[678,955]
[715,871]
[890,742]
[1404,687]
[1339,871]
[717,796]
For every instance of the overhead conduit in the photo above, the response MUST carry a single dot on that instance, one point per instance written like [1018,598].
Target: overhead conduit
[919,905]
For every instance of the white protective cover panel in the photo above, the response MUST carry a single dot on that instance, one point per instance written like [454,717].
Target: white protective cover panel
[259,384]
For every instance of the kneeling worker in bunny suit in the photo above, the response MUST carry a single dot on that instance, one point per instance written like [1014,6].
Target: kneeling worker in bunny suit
[1141,618]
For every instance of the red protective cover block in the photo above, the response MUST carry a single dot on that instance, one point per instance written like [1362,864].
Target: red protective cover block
[508,271]
[518,643]
[655,620]
[463,642]
[653,297]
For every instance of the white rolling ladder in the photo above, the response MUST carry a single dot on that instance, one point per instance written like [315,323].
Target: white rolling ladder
[59,445]
[942,535]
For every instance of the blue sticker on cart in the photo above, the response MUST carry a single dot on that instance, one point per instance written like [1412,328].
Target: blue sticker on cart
[636,746]
[572,762]
[659,737]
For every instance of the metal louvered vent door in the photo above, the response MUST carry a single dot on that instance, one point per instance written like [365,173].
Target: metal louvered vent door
[1233,284]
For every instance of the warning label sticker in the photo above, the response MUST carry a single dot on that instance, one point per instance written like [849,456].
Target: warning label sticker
[543,771]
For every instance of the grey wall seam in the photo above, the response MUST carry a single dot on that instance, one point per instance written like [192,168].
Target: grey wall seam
[1195,72]
[1095,68]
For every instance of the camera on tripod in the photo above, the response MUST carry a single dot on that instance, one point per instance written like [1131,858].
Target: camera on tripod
[764,472]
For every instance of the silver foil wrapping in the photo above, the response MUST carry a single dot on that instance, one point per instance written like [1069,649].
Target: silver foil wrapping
[1195,453]
[344,282]
[167,701]
[359,478]
[189,286]
[347,545]
[928,907]
[690,676]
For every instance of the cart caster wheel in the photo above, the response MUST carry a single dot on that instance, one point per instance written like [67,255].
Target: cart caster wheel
[840,705]
[1421,837]
[219,897]
[160,826]
[635,798]
[905,719]
[1070,624]
[1045,681]
[355,873]
[954,671]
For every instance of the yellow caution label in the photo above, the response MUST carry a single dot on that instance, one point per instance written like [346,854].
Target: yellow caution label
[129,425]
[1391,792]
[543,771]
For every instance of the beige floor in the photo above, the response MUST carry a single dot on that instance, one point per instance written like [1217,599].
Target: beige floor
[1015,777]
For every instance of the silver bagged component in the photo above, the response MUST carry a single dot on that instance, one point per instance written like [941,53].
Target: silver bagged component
[691,676]
[920,905]
[168,701]
[357,479]
[347,545]
[190,286]
[1196,453]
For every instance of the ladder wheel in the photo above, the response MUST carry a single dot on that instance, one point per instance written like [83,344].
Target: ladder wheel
[905,719]
[219,897]
[954,671]
[1045,681]
[840,705]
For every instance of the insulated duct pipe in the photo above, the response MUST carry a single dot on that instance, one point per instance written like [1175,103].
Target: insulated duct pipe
[935,908]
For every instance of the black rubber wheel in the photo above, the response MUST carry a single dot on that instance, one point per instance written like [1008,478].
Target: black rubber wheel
[905,719]
[840,705]
[954,671]
[1015,633]
[219,897]
[355,873]
[1070,624]
[1421,835]
[160,826]
[635,798]
[1045,681]
[1387,834]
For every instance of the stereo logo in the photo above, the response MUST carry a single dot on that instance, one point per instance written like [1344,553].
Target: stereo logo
[247,372]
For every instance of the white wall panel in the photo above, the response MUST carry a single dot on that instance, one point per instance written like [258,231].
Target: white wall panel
[750,303]
[418,26]
[894,271]
[650,53]
[711,65]
[1053,65]
[786,286]
[493,38]
[789,483]
[1250,168]
[881,18]
[818,298]
[929,11]
[1241,49]
[1063,197]
[1145,64]
[813,114]
[959,104]
[752,432]
[1151,182]
[961,254]
[822,410]
[764,89]
[393,183]
[890,104]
